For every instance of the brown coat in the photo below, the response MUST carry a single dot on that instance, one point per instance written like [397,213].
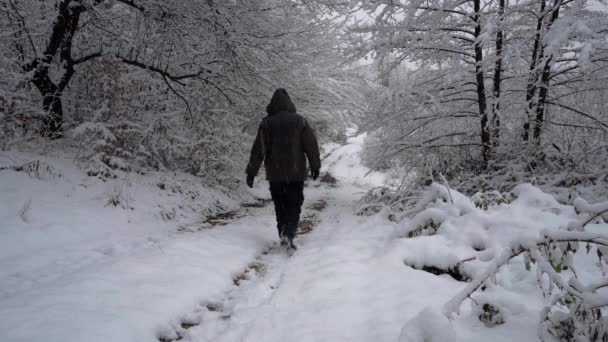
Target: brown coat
[284,141]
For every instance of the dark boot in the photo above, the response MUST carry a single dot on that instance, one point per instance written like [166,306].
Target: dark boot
[281,227]
[290,233]
[291,244]
[285,241]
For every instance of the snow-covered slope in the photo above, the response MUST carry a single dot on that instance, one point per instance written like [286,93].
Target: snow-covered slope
[75,267]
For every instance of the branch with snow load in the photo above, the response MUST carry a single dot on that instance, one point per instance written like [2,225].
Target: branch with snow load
[576,310]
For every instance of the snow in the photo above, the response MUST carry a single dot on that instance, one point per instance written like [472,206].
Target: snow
[345,283]
[584,207]
[428,325]
[73,268]
[344,162]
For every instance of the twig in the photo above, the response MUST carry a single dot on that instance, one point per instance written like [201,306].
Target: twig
[453,305]
[594,217]
[445,183]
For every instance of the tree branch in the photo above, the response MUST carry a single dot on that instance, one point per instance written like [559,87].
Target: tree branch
[578,112]
[87,58]
[177,94]
[176,78]
[24,27]
[132,4]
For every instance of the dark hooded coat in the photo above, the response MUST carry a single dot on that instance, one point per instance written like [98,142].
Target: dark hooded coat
[284,142]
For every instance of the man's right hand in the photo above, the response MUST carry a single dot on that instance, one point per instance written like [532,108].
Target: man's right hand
[250,179]
[314,174]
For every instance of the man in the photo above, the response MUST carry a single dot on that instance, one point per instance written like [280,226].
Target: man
[283,142]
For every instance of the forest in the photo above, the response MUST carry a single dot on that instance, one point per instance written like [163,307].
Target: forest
[462,195]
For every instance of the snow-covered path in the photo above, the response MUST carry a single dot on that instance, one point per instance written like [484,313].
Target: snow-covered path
[346,282]
[343,284]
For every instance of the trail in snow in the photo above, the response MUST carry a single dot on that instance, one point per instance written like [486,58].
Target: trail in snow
[263,273]
[73,268]
[346,282]
[358,278]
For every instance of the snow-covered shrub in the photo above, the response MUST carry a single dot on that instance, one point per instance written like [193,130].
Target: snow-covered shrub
[329,128]
[106,156]
[487,199]
[161,146]
[556,251]
[117,194]
[399,201]
[576,304]
[37,169]
[376,199]
[569,322]
[598,211]
[10,123]
[371,155]
[18,119]
[415,193]
[426,222]
[176,187]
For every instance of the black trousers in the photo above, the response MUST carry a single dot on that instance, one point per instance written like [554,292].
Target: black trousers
[288,198]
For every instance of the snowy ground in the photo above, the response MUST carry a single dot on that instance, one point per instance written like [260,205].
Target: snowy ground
[74,269]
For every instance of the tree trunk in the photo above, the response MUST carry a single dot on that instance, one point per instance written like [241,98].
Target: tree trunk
[59,44]
[481,91]
[544,82]
[497,78]
[537,54]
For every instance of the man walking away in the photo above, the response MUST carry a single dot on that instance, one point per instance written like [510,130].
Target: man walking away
[283,142]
